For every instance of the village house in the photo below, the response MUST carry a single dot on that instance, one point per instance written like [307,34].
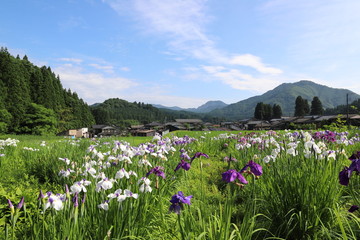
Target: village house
[75,133]
[103,131]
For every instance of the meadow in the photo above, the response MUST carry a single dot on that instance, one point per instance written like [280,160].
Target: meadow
[185,185]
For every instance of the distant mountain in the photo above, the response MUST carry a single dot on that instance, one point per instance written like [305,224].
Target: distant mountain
[205,108]
[285,95]
[119,112]
[169,108]
[210,106]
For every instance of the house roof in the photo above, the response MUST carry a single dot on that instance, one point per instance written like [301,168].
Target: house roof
[355,117]
[154,124]
[136,126]
[100,126]
[108,127]
[302,120]
[323,118]
[255,122]
[188,120]
[144,131]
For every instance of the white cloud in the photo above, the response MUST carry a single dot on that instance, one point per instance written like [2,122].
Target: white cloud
[125,69]
[92,86]
[183,24]
[105,68]
[239,80]
[73,60]
[180,22]
[255,62]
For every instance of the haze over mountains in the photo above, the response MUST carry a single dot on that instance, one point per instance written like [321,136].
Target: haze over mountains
[283,95]
[205,108]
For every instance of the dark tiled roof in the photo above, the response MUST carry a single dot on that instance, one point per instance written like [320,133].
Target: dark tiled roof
[188,120]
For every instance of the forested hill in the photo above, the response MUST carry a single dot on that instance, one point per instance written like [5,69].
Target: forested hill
[33,101]
[122,113]
[285,95]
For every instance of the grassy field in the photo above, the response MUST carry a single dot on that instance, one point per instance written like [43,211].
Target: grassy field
[186,185]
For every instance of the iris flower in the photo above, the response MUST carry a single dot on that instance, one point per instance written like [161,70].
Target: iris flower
[231,175]
[186,165]
[177,202]
[104,205]
[353,208]
[145,185]
[54,201]
[345,174]
[197,155]
[21,203]
[157,171]
[183,164]
[255,168]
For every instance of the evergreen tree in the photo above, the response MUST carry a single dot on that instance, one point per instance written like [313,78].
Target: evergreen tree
[306,107]
[263,111]
[267,112]
[299,107]
[39,120]
[316,107]
[259,111]
[22,83]
[16,88]
[277,111]
[5,120]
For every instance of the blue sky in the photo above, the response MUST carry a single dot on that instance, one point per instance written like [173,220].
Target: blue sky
[186,52]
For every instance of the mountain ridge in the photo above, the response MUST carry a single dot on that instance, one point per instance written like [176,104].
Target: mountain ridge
[204,108]
[285,95]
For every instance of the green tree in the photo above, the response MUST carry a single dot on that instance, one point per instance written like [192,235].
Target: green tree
[267,112]
[39,120]
[263,111]
[316,107]
[277,111]
[5,120]
[259,111]
[306,107]
[299,107]
[14,82]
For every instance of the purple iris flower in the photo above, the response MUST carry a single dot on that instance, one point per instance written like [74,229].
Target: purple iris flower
[353,208]
[355,156]
[176,208]
[21,203]
[41,195]
[355,165]
[183,164]
[157,171]
[255,168]
[178,200]
[344,176]
[231,175]
[181,198]
[83,199]
[75,200]
[10,204]
[197,155]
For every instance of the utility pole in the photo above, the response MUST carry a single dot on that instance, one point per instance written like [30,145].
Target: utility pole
[347,109]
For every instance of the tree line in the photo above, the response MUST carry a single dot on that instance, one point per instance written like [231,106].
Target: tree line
[265,111]
[33,100]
